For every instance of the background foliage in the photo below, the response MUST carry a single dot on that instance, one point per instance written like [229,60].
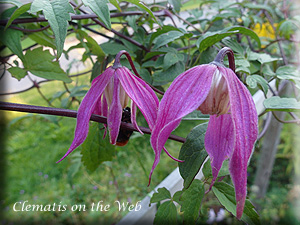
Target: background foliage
[50,39]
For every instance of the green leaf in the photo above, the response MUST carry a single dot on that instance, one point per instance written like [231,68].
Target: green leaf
[162,194]
[14,2]
[41,64]
[234,45]
[57,14]
[100,8]
[261,57]
[163,30]
[93,46]
[166,214]
[259,7]
[143,6]
[191,200]
[12,39]
[196,115]
[193,153]
[166,38]
[116,4]
[41,38]
[253,80]
[288,73]
[17,72]
[110,48]
[170,59]
[95,149]
[224,171]
[163,77]
[210,38]
[226,195]
[18,12]
[276,103]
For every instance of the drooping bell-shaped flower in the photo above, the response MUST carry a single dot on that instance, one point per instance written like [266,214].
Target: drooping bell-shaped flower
[232,129]
[108,96]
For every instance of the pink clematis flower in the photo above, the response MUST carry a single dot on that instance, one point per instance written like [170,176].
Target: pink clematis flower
[232,129]
[108,96]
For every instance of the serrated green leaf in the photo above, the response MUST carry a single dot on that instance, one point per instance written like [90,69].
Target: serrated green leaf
[12,39]
[95,149]
[226,195]
[166,214]
[116,4]
[143,6]
[14,2]
[100,8]
[193,153]
[224,171]
[191,200]
[276,103]
[288,73]
[161,194]
[17,72]
[166,38]
[18,12]
[57,14]
[253,80]
[41,64]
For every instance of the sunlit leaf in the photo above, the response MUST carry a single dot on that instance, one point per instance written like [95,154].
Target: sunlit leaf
[276,103]
[226,195]
[57,14]
[100,8]
[41,64]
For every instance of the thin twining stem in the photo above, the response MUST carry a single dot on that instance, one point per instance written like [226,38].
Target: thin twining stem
[114,31]
[221,54]
[73,113]
[118,64]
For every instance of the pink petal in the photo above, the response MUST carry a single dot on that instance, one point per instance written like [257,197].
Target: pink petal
[115,111]
[141,94]
[184,95]
[219,142]
[87,106]
[133,117]
[245,122]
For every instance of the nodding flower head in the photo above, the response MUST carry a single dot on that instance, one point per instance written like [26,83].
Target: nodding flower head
[109,96]
[232,129]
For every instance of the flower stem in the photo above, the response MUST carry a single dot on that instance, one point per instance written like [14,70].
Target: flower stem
[220,57]
[117,64]
[72,113]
